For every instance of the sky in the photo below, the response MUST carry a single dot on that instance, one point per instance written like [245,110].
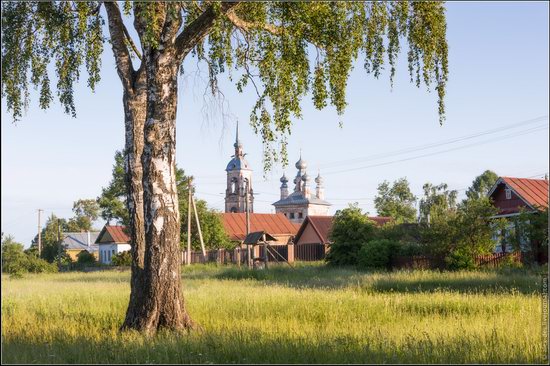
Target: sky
[497,118]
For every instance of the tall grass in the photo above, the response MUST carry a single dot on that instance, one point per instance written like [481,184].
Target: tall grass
[282,315]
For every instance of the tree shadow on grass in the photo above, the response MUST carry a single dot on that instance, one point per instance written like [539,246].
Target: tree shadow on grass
[250,347]
[327,277]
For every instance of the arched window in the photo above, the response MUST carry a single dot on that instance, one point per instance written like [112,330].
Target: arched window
[233,185]
[233,209]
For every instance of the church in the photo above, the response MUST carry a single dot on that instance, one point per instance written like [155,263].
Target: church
[296,206]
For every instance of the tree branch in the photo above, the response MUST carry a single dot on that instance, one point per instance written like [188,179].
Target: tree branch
[131,42]
[247,26]
[198,29]
[120,50]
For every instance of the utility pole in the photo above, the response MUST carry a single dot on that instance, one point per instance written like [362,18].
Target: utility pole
[189,223]
[39,233]
[247,208]
[198,226]
[58,245]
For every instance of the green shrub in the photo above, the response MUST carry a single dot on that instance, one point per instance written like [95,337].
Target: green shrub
[17,262]
[39,265]
[460,259]
[85,258]
[378,253]
[350,230]
[122,259]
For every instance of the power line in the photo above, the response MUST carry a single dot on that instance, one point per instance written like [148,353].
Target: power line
[435,144]
[531,130]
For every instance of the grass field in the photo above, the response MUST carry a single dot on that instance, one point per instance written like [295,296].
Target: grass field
[310,314]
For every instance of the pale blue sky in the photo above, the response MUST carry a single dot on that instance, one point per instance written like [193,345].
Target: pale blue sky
[498,60]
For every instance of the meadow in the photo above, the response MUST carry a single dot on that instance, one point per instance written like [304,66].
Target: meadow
[310,314]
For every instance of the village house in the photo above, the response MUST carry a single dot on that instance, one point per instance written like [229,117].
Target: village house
[512,196]
[312,239]
[276,225]
[76,243]
[112,240]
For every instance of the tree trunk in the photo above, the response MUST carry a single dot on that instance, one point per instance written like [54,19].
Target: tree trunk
[135,107]
[157,301]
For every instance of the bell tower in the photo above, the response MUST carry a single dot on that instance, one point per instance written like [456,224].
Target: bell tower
[239,178]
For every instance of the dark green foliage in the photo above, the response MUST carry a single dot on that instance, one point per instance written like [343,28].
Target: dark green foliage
[396,201]
[86,212]
[122,259]
[460,259]
[112,203]
[284,50]
[213,232]
[16,262]
[350,230]
[482,184]
[460,235]
[14,259]
[533,226]
[378,254]
[437,200]
[85,258]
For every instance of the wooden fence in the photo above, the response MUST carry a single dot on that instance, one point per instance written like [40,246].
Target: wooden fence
[426,262]
[310,252]
[276,253]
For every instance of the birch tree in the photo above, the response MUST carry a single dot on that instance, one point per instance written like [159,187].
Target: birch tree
[283,51]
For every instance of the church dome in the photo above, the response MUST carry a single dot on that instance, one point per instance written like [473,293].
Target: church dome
[284,179]
[301,164]
[319,179]
[306,178]
[237,163]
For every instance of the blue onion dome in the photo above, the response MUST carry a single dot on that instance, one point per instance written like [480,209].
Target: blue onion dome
[301,164]
[306,178]
[284,179]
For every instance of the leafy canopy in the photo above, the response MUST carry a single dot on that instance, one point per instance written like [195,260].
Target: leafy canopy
[112,203]
[396,201]
[482,184]
[283,50]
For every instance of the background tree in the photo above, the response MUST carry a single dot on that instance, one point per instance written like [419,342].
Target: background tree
[86,212]
[16,261]
[396,201]
[267,42]
[50,242]
[460,235]
[351,229]
[482,184]
[13,257]
[112,203]
[437,200]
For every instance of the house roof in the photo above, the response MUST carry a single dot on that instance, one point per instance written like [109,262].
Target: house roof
[323,224]
[255,237]
[113,234]
[274,224]
[79,241]
[534,192]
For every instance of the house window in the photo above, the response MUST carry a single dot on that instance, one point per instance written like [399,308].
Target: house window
[508,193]
[300,215]
[292,215]
[113,252]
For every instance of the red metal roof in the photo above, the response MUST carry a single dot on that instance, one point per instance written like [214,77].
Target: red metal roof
[274,224]
[532,191]
[117,233]
[323,224]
